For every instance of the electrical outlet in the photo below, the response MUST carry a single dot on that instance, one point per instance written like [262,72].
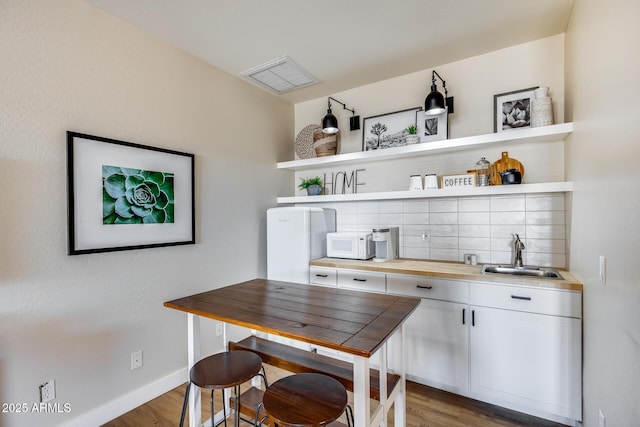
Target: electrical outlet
[219,329]
[602,420]
[136,359]
[603,269]
[48,391]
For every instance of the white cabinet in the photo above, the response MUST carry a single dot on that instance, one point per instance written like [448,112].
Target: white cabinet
[522,356]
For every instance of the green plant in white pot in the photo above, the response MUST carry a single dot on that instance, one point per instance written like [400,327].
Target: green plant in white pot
[312,185]
[412,134]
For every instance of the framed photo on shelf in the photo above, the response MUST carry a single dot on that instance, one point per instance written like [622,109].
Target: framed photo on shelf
[512,110]
[387,130]
[125,196]
[432,128]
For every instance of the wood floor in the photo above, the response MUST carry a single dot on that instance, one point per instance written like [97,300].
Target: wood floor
[426,407]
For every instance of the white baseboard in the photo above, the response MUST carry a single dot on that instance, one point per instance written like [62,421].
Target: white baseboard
[129,401]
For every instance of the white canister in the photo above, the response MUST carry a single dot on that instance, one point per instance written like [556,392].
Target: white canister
[431,181]
[415,182]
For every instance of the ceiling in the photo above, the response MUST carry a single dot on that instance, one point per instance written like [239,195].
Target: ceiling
[344,43]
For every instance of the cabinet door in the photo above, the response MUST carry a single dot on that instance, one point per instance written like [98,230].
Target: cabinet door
[532,361]
[437,345]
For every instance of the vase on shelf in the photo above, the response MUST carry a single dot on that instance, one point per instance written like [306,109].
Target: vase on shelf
[541,108]
[314,190]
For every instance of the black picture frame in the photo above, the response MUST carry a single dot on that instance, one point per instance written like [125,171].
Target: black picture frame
[126,196]
[517,100]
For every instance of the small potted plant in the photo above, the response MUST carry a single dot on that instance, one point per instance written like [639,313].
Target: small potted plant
[412,134]
[312,185]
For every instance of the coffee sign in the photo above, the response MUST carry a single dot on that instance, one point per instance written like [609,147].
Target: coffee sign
[457,181]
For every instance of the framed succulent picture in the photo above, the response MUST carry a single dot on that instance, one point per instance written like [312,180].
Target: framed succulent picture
[124,196]
[512,110]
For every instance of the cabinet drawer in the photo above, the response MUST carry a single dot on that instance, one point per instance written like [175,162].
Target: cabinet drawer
[554,302]
[361,280]
[323,276]
[428,287]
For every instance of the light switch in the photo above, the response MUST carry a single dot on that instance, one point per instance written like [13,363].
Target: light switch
[603,269]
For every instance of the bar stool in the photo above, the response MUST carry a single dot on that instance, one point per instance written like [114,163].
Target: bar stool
[304,400]
[224,370]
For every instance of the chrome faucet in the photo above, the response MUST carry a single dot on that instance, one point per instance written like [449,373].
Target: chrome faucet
[518,246]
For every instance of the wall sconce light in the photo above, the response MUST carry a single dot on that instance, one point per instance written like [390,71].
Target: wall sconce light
[436,103]
[330,123]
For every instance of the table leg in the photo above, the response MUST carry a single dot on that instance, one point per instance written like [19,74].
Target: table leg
[361,391]
[400,411]
[383,384]
[193,344]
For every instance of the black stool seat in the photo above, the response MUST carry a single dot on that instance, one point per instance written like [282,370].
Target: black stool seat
[305,400]
[220,371]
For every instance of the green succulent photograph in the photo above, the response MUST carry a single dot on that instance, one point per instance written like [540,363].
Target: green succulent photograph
[136,196]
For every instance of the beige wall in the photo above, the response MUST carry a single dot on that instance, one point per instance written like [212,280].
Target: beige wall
[602,157]
[68,66]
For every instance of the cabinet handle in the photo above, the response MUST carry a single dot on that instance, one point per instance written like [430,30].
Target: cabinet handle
[322,275]
[473,318]
[522,298]
[359,280]
[464,312]
[424,287]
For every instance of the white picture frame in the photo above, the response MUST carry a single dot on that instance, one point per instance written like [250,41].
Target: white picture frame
[432,127]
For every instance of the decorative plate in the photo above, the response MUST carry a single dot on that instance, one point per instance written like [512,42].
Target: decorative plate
[304,142]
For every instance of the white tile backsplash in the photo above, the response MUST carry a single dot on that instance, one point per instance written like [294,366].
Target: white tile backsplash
[444,230]
[412,206]
[545,203]
[508,218]
[474,217]
[474,230]
[444,218]
[507,203]
[472,204]
[454,226]
[415,218]
[444,205]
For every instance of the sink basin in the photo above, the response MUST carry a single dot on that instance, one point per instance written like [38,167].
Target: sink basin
[546,273]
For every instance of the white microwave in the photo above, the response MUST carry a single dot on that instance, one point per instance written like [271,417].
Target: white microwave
[351,245]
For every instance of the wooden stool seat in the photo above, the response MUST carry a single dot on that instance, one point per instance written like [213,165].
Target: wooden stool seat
[305,400]
[220,371]
[225,370]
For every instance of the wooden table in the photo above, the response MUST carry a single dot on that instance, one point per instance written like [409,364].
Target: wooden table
[359,323]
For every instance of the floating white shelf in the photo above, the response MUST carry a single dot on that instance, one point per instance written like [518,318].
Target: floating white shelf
[548,187]
[538,134]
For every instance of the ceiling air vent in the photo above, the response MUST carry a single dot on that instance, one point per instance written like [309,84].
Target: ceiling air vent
[280,75]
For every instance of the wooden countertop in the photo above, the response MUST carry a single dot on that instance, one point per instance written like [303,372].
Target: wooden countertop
[449,270]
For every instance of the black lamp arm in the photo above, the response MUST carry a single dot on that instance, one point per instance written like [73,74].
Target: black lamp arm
[343,105]
[433,82]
